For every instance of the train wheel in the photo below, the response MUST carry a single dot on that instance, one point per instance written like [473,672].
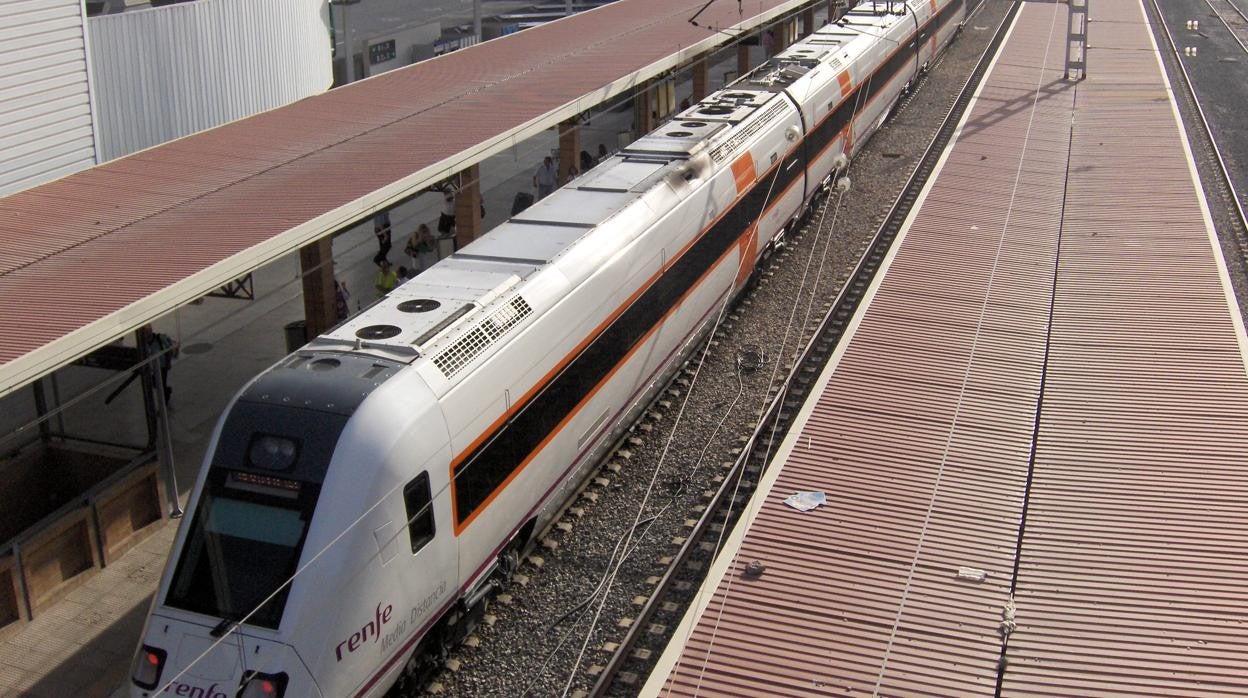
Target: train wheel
[509,561]
[426,661]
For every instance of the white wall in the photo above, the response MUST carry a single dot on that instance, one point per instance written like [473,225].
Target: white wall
[45,103]
[167,72]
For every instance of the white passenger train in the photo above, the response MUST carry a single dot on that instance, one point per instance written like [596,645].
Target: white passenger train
[400,462]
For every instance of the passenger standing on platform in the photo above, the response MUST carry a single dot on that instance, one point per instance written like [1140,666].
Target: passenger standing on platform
[422,248]
[446,219]
[387,278]
[545,178]
[602,152]
[587,161]
[381,228]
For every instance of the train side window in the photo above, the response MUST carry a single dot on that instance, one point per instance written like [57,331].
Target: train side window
[419,511]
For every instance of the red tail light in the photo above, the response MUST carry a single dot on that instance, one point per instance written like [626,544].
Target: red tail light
[148,667]
[257,685]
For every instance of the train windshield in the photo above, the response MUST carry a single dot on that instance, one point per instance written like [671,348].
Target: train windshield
[243,546]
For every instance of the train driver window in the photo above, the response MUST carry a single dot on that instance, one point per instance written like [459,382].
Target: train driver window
[419,511]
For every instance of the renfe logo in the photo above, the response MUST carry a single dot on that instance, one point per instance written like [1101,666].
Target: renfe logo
[186,689]
[373,627]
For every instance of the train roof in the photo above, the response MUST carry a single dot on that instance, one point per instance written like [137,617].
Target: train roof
[453,312]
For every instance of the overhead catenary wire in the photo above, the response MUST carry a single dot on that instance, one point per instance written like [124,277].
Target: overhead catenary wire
[235,624]
[774,374]
[580,607]
[970,363]
[723,306]
[302,569]
[770,442]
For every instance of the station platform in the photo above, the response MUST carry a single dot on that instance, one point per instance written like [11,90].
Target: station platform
[84,643]
[1031,439]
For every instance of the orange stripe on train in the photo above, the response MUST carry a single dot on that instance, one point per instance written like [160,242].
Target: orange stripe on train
[743,172]
[847,83]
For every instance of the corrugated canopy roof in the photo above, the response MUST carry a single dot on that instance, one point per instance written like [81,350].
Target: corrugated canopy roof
[89,257]
[1112,430]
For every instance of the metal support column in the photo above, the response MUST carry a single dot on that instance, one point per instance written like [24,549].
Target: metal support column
[166,440]
[1077,40]
[160,438]
[41,409]
[569,149]
[643,110]
[701,79]
[316,262]
[468,206]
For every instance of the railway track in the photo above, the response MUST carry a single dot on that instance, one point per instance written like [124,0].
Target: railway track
[1233,17]
[1222,184]
[651,629]
[554,626]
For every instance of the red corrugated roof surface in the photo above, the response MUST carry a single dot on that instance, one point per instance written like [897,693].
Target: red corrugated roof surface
[1134,569]
[920,438]
[77,250]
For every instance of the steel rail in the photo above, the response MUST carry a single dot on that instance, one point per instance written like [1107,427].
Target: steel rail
[1236,10]
[1204,122]
[773,425]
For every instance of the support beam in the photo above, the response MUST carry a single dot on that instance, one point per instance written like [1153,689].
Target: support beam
[701,80]
[142,344]
[743,59]
[643,111]
[468,207]
[316,262]
[159,436]
[569,149]
[41,410]
[808,20]
[783,34]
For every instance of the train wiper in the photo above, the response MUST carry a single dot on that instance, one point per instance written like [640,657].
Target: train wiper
[223,627]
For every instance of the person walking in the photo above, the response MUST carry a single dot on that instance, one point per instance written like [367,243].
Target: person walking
[446,219]
[422,248]
[545,178]
[381,228]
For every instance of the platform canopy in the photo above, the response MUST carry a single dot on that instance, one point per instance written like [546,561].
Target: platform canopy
[99,253]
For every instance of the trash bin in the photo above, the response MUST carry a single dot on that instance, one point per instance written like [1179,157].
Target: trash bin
[296,334]
[446,246]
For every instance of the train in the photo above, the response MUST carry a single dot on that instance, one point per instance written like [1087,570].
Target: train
[360,500]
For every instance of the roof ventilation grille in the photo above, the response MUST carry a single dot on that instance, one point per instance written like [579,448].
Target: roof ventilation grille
[419,305]
[487,332]
[378,332]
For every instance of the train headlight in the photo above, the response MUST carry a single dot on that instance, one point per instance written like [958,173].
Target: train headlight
[257,685]
[269,452]
[148,667]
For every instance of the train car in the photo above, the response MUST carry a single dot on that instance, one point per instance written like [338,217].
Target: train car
[360,498]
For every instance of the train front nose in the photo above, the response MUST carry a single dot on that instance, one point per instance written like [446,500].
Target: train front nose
[187,661]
